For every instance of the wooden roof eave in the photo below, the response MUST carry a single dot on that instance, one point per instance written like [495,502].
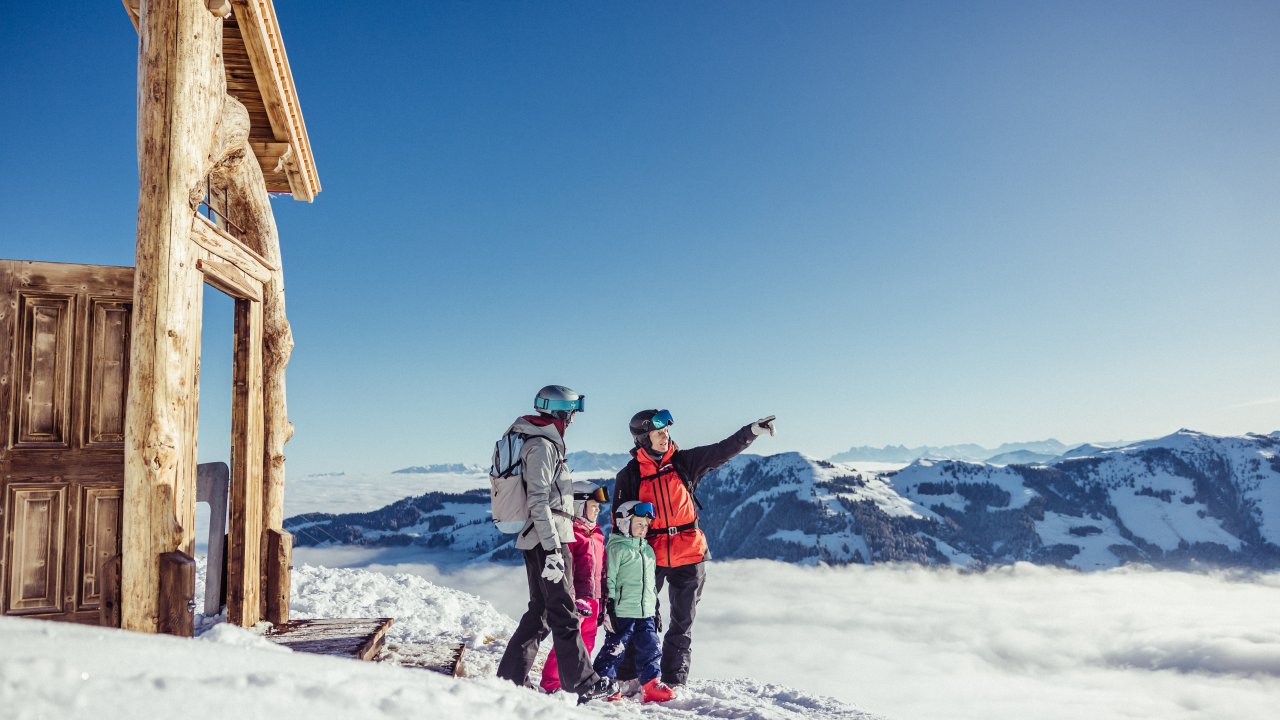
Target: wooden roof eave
[288,149]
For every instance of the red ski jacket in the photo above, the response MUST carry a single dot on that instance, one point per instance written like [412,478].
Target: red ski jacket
[670,484]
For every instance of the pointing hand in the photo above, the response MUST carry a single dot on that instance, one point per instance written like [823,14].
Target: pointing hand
[764,425]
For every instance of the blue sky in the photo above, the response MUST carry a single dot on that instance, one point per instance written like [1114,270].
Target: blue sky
[907,222]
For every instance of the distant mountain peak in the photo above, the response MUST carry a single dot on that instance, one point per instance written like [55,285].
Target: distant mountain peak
[441,468]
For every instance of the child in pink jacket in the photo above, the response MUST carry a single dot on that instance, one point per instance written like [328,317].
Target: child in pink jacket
[588,570]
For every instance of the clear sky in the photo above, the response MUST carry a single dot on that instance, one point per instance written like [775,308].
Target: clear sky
[883,222]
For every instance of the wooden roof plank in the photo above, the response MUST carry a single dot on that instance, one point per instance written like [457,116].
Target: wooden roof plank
[257,24]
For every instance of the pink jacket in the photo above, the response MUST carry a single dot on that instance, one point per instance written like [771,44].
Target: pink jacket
[588,560]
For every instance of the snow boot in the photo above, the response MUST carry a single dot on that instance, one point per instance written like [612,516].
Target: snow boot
[602,688]
[657,691]
[627,688]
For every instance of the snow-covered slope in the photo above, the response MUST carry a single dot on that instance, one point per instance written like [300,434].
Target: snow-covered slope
[59,670]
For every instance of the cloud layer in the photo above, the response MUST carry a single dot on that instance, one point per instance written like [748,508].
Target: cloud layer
[1017,642]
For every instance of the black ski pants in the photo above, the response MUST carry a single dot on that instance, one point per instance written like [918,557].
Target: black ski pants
[685,591]
[551,612]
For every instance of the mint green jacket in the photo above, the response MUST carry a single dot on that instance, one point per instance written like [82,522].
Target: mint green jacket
[630,577]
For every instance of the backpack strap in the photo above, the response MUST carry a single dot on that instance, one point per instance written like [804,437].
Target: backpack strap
[697,503]
[561,513]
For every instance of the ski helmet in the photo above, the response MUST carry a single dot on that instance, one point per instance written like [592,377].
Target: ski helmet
[559,401]
[584,490]
[645,422]
[627,510]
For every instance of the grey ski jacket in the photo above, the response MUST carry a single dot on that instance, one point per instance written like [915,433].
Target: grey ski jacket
[548,486]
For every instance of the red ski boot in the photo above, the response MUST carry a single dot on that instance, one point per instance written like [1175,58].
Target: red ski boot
[657,691]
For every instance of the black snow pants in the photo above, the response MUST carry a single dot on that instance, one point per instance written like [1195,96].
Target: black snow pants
[686,584]
[551,612]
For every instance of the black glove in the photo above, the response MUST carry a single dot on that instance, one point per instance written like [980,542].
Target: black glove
[610,616]
[657,620]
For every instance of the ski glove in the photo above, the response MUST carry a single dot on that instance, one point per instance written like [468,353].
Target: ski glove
[763,425]
[657,620]
[610,616]
[554,569]
[583,607]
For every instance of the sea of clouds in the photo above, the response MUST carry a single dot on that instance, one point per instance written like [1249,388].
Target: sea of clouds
[916,643]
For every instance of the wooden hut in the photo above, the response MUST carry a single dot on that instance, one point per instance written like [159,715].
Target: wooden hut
[99,369]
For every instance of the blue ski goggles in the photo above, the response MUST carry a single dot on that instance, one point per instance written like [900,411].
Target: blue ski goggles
[579,405]
[659,421]
[644,510]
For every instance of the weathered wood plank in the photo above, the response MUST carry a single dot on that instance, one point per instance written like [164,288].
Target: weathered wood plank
[278,561]
[230,250]
[109,607]
[353,638]
[262,40]
[246,536]
[177,588]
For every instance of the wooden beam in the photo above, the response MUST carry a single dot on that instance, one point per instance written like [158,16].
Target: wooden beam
[244,559]
[252,207]
[230,250]
[181,87]
[229,280]
[279,581]
[177,590]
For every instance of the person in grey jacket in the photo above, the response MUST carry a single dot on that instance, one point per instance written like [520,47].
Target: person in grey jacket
[547,560]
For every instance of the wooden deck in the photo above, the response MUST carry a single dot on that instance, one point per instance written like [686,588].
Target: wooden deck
[359,638]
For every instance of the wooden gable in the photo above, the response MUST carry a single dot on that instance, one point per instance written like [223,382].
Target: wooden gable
[258,75]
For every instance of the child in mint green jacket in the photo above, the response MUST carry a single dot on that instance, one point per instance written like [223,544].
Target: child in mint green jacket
[632,602]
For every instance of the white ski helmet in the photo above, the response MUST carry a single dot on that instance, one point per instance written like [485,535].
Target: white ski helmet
[584,490]
[627,510]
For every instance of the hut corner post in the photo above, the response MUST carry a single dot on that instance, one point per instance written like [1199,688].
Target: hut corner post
[188,130]
[181,84]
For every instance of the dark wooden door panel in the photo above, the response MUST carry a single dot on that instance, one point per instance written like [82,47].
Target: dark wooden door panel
[36,540]
[108,372]
[100,509]
[44,370]
[64,365]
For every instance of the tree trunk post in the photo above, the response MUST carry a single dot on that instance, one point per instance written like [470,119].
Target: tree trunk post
[181,86]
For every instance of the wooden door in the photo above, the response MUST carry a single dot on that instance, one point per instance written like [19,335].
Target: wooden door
[64,367]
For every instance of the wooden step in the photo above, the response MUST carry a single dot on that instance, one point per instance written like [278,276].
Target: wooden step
[360,638]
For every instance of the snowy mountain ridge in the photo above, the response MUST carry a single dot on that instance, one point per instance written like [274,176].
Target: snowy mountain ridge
[1185,499]
[1011,452]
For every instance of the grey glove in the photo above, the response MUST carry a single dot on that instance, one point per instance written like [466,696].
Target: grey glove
[763,425]
[554,569]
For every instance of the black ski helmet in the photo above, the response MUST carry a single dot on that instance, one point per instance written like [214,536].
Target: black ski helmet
[642,424]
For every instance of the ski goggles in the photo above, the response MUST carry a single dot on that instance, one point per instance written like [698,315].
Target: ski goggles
[644,510]
[579,405]
[659,421]
[600,495]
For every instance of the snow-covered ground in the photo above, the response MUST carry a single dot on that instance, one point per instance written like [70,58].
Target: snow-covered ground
[913,643]
[57,670]
[773,641]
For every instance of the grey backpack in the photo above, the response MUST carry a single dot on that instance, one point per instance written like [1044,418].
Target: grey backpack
[508,500]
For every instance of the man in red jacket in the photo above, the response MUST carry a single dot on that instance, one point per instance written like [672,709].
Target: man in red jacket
[667,476]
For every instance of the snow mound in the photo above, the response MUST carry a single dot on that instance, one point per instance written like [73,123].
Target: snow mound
[225,634]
